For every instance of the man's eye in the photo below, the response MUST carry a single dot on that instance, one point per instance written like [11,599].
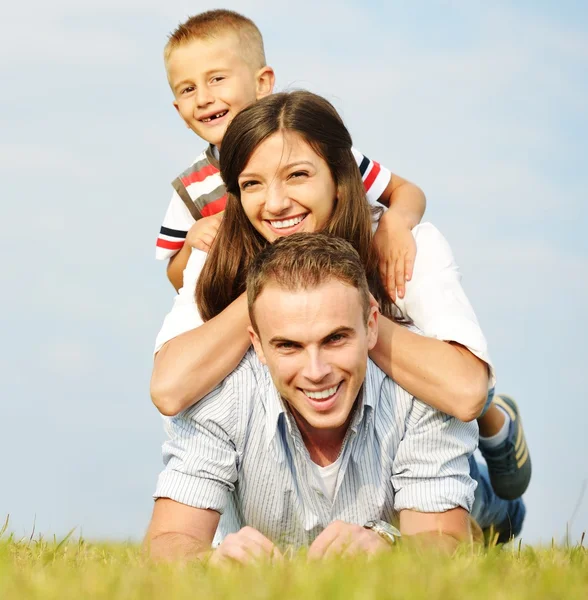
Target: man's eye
[286,346]
[338,337]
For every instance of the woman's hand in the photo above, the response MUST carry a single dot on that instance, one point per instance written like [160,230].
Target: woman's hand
[203,232]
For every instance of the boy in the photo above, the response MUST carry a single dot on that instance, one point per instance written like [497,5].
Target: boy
[216,66]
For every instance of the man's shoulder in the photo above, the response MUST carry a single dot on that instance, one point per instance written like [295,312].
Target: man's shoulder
[382,390]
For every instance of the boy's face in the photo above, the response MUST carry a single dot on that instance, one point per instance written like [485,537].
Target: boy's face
[211,83]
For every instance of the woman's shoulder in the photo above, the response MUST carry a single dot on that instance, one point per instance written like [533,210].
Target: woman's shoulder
[433,249]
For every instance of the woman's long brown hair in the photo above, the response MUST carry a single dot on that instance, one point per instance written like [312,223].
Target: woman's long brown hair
[237,242]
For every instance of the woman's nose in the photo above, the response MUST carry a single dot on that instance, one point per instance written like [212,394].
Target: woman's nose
[277,199]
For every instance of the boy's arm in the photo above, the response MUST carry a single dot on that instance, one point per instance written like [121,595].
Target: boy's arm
[176,265]
[393,240]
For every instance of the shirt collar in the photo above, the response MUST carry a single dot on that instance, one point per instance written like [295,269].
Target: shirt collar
[213,155]
[366,402]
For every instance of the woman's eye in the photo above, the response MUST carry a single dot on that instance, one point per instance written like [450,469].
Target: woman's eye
[248,184]
[298,174]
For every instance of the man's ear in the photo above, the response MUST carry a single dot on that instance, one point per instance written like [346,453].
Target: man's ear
[372,326]
[256,344]
[266,78]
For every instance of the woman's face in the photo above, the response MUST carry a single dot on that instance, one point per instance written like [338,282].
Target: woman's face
[286,187]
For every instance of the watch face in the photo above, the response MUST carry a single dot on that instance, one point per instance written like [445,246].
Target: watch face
[389,529]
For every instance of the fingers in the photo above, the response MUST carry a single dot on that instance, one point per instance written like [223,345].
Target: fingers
[345,539]
[244,547]
[387,274]
[323,541]
[399,276]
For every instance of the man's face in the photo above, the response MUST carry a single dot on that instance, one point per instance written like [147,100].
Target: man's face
[315,343]
[212,83]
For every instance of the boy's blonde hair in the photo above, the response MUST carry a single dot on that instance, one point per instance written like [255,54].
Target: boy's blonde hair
[212,24]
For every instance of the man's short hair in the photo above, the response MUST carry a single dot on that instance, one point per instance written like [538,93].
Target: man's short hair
[214,23]
[305,261]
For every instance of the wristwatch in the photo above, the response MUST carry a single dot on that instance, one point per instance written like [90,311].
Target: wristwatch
[387,532]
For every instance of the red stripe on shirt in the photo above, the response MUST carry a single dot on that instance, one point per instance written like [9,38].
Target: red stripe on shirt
[367,184]
[201,175]
[214,207]
[169,245]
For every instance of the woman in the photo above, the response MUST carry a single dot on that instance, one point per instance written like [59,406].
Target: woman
[287,165]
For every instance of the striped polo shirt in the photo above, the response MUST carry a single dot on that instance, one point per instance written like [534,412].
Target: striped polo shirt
[200,192]
[239,452]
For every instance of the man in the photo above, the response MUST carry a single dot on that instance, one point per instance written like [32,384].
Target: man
[307,442]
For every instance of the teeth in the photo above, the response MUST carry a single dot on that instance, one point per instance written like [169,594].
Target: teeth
[218,115]
[321,395]
[287,222]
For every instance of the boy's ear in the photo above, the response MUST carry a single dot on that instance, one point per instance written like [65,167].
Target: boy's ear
[256,344]
[266,79]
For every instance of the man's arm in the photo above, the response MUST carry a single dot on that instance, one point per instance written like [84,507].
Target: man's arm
[180,532]
[434,491]
[444,531]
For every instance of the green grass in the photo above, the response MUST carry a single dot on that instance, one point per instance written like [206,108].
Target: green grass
[69,569]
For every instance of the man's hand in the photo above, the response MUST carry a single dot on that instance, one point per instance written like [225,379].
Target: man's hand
[344,539]
[244,547]
[396,250]
[203,232]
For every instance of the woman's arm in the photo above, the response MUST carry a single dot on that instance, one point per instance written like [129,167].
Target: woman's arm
[450,368]
[194,357]
[445,375]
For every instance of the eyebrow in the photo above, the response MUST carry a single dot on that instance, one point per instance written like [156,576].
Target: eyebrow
[283,168]
[339,330]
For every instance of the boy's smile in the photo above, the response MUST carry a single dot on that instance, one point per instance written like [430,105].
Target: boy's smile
[212,82]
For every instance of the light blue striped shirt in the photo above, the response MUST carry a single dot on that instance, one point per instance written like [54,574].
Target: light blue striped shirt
[239,452]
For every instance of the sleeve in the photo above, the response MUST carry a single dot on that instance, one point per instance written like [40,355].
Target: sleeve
[430,472]
[200,456]
[184,314]
[436,301]
[172,234]
[375,177]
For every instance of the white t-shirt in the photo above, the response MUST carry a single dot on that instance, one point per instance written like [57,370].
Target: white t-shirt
[327,478]
[434,299]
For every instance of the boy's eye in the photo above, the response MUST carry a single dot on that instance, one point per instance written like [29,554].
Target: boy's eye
[188,89]
[217,79]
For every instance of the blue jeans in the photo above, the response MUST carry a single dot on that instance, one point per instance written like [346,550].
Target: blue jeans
[489,510]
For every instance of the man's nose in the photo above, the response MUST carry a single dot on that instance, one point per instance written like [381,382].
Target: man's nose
[316,367]
[277,199]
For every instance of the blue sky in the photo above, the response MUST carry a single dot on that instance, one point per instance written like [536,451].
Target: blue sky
[482,105]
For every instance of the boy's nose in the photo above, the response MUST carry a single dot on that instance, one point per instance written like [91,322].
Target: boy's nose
[204,97]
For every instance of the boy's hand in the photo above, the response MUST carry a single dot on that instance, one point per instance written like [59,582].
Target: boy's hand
[396,250]
[203,232]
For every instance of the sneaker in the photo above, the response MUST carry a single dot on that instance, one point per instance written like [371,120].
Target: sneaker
[509,465]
